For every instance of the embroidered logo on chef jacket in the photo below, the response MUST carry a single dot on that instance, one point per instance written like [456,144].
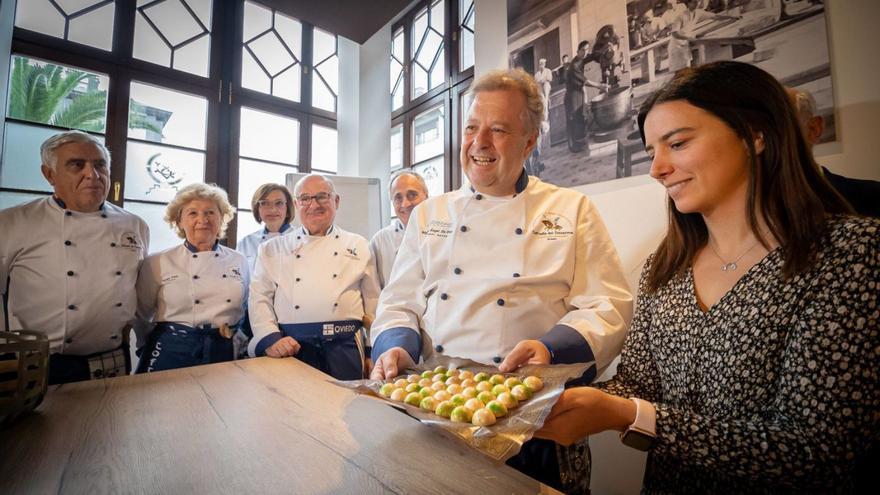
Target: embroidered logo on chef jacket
[438,229]
[352,253]
[234,272]
[552,226]
[130,241]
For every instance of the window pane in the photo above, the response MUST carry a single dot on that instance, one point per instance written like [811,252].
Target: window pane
[324,149]
[397,147]
[252,175]
[271,52]
[57,95]
[432,172]
[466,23]
[325,84]
[164,116]
[161,235]
[245,224]
[428,134]
[89,22]
[156,173]
[21,157]
[174,34]
[428,67]
[396,74]
[324,45]
[269,137]
[10,199]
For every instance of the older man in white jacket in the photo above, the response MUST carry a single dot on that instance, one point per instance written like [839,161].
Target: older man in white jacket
[313,290]
[408,190]
[507,270]
[69,262]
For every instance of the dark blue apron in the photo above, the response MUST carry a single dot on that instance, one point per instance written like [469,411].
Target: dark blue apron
[329,346]
[172,345]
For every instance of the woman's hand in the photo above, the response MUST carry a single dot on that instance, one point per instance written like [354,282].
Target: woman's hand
[287,346]
[584,411]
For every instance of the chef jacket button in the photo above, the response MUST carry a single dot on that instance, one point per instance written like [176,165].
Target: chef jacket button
[337,236]
[335,253]
[103,215]
[68,213]
[216,255]
[438,348]
[197,301]
[68,340]
[516,275]
[463,228]
[496,359]
[71,307]
[297,279]
[67,243]
[457,271]
[500,302]
[118,305]
[478,197]
[112,244]
[195,256]
[297,256]
[296,307]
[70,273]
[334,275]
[118,272]
[195,276]
[335,304]
[518,231]
[444,296]
[298,237]
[224,275]
[229,300]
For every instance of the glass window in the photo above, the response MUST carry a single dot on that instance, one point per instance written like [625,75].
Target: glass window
[246,223]
[325,81]
[271,53]
[164,116]
[396,147]
[433,173]
[161,234]
[324,149]
[269,137]
[397,70]
[89,22]
[9,199]
[174,33]
[466,40]
[155,173]
[57,95]
[428,67]
[252,174]
[21,157]
[428,135]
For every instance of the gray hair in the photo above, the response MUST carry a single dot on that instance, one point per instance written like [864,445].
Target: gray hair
[198,190]
[414,175]
[805,105]
[298,187]
[516,80]
[49,148]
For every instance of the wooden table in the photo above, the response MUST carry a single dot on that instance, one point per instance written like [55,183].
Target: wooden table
[254,426]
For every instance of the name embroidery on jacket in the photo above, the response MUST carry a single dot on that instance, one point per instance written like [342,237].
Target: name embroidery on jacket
[436,228]
[552,226]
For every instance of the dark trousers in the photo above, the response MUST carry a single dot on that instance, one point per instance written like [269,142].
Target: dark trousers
[66,368]
[172,346]
[540,459]
[575,125]
[329,346]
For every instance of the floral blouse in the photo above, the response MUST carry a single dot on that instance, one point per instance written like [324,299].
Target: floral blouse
[775,388]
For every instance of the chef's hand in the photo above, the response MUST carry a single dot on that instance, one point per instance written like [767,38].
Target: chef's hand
[584,411]
[391,363]
[526,352]
[287,346]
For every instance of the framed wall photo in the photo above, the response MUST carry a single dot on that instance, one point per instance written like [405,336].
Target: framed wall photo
[597,61]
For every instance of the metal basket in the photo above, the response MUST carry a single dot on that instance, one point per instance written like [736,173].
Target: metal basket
[24,366]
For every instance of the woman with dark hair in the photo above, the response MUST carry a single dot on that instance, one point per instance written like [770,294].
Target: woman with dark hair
[751,363]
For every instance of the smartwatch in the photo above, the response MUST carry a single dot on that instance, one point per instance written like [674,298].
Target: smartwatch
[641,433]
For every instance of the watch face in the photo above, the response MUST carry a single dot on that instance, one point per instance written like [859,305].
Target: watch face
[637,440]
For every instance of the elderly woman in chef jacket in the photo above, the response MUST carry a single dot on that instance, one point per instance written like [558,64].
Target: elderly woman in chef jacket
[192,297]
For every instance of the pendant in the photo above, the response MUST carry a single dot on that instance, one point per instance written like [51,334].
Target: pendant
[728,267]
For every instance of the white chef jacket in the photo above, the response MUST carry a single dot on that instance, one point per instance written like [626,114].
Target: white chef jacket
[301,278]
[71,275]
[250,244]
[478,274]
[384,246]
[191,288]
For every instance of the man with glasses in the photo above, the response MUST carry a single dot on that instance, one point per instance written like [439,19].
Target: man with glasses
[69,262]
[407,190]
[313,290]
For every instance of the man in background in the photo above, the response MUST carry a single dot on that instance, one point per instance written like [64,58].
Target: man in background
[407,190]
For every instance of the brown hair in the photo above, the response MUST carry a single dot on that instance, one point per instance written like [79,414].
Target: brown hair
[263,191]
[784,180]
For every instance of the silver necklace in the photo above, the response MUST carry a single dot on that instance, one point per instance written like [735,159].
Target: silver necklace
[729,266]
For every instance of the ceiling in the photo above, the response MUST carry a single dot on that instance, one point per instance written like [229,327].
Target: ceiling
[356,20]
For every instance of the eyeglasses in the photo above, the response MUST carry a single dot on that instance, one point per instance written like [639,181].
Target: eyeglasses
[265,203]
[322,198]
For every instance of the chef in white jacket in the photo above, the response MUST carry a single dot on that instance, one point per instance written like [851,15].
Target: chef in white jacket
[407,190]
[507,270]
[68,263]
[272,206]
[192,297]
[313,291]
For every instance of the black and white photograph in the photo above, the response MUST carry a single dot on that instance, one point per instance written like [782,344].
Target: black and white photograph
[598,60]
